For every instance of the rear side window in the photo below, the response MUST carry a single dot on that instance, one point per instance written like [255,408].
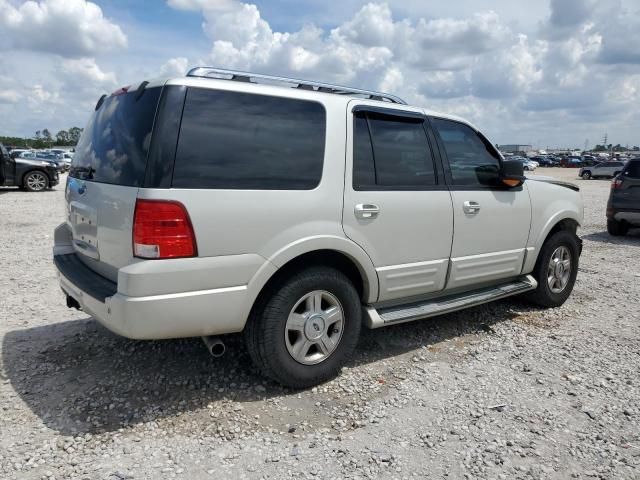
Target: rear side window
[232,140]
[472,160]
[391,152]
[114,145]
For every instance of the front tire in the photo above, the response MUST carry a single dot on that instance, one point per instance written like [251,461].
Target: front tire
[586,175]
[556,270]
[616,228]
[304,329]
[35,181]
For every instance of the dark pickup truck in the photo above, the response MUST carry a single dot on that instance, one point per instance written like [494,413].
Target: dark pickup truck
[34,175]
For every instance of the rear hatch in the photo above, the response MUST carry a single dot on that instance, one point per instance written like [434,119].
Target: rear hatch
[106,172]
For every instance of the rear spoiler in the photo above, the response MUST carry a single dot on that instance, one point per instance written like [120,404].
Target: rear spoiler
[122,91]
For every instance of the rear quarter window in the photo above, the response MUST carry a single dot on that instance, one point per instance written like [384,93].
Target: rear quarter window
[232,140]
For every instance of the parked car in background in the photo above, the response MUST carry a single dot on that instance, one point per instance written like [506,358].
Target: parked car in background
[547,161]
[297,216]
[601,170]
[31,174]
[54,157]
[17,151]
[527,164]
[67,157]
[623,207]
[571,162]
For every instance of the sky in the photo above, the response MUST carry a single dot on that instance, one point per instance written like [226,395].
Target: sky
[552,73]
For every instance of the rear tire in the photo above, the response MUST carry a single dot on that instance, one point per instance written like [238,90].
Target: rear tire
[616,228]
[284,334]
[35,181]
[554,283]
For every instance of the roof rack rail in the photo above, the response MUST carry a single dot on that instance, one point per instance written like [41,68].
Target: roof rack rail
[238,76]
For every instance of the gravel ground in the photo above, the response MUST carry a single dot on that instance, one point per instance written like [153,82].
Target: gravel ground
[499,391]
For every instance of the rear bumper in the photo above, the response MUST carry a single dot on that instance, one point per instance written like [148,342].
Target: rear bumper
[186,314]
[629,215]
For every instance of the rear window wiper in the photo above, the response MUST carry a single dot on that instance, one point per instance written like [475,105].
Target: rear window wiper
[86,171]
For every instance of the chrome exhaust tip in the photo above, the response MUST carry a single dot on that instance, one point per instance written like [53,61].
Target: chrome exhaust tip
[215,346]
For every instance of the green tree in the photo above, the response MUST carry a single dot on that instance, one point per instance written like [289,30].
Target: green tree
[46,136]
[74,135]
[62,137]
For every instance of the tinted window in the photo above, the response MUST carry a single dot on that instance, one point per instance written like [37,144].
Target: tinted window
[633,169]
[471,158]
[364,174]
[113,146]
[246,141]
[391,152]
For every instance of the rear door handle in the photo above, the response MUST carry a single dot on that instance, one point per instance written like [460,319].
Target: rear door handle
[471,208]
[366,210]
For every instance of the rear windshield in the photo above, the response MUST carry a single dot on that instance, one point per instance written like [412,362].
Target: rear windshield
[114,145]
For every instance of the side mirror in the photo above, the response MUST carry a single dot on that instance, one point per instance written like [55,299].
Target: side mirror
[512,173]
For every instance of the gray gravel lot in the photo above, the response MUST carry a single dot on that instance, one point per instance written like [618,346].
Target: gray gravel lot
[499,391]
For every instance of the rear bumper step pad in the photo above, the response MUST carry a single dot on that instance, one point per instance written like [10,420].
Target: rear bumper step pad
[85,279]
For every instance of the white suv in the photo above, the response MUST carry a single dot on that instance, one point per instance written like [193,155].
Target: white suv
[228,202]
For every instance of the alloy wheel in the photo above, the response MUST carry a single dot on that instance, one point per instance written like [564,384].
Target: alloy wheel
[559,269]
[314,327]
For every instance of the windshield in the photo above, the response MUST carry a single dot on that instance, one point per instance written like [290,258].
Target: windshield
[113,147]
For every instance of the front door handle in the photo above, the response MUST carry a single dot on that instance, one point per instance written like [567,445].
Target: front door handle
[366,210]
[471,208]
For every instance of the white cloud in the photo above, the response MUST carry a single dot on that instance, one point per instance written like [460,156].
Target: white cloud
[476,65]
[10,96]
[174,67]
[85,70]
[201,4]
[70,28]
[556,71]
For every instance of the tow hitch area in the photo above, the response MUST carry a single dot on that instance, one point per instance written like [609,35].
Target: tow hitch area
[73,303]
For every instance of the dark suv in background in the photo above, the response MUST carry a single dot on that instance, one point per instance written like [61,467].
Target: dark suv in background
[623,207]
[32,174]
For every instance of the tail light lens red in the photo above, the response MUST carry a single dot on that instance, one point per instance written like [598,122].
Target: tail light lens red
[616,183]
[162,229]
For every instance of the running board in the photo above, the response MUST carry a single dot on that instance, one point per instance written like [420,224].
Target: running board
[376,318]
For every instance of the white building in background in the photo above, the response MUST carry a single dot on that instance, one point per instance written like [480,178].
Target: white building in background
[515,148]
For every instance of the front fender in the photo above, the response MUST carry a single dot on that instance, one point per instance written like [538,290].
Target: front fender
[550,204]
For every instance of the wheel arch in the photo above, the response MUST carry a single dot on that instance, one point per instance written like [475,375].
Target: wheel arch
[568,221]
[35,169]
[341,254]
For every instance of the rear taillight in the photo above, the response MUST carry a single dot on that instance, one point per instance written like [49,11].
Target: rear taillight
[616,183]
[162,229]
